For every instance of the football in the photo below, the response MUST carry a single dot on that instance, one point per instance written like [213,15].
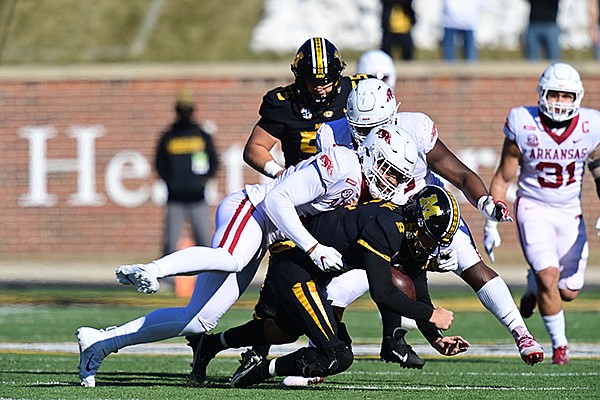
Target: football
[404,283]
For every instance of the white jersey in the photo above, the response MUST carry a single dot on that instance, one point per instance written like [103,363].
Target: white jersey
[340,176]
[422,129]
[552,166]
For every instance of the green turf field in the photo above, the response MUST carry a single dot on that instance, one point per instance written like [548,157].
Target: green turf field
[52,317]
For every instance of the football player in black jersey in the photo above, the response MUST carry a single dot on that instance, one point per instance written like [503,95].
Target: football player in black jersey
[373,236]
[292,114]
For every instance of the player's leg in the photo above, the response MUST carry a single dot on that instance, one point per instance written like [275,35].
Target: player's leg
[213,294]
[493,293]
[555,245]
[237,238]
[302,307]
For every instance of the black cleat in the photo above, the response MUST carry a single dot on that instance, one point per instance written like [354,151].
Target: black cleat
[396,350]
[204,351]
[253,370]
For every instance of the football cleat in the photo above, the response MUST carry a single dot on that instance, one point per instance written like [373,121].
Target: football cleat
[138,275]
[560,355]
[204,352]
[527,306]
[395,349]
[91,354]
[530,350]
[302,381]
[253,370]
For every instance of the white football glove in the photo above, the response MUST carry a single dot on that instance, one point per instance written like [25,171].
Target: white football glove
[598,226]
[493,210]
[327,258]
[491,238]
[445,261]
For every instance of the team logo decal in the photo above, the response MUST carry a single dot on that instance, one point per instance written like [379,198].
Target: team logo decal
[327,164]
[328,114]
[347,193]
[533,141]
[385,135]
[306,113]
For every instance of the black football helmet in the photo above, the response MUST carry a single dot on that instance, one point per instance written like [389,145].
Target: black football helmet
[318,61]
[435,216]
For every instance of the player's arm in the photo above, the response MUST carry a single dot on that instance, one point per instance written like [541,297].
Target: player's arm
[594,167]
[445,163]
[506,170]
[257,152]
[385,294]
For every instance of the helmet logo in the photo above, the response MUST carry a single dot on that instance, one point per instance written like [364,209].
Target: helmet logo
[390,94]
[384,135]
[429,206]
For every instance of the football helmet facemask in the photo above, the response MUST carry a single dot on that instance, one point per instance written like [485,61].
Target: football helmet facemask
[436,216]
[379,64]
[371,103]
[388,157]
[560,77]
[318,62]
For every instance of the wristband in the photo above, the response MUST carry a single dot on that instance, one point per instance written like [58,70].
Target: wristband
[272,168]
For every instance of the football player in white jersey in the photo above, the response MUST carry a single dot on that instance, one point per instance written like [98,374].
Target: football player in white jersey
[371,103]
[550,143]
[246,222]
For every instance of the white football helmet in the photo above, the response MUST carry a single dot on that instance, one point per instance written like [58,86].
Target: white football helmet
[379,64]
[371,103]
[560,77]
[388,157]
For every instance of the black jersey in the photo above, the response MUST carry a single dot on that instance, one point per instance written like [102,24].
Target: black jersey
[284,116]
[371,236]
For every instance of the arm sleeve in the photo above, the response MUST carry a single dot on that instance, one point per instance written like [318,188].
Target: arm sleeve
[384,293]
[325,138]
[429,330]
[301,187]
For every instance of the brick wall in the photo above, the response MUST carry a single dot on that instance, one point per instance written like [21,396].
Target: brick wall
[128,107]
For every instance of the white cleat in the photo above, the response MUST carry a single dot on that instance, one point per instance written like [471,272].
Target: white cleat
[302,381]
[91,354]
[138,275]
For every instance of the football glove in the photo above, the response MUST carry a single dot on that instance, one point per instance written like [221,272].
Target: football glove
[493,210]
[445,261]
[491,238]
[327,258]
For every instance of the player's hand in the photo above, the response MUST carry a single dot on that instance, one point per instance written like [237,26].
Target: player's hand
[445,261]
[327,258]
[491,238]
[493,210]
[598,226]
[451,345]
[442,318]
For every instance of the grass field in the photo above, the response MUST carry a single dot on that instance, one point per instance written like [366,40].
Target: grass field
[52,316]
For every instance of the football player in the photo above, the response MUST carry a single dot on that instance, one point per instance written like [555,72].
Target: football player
[247,221]
[550,144]
[373,237]
[293,113]
[371,103]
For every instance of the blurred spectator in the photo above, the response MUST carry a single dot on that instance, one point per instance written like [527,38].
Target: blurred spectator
[397,20]
[594,15]
[459,20]
[379,64]
[542,32]
[186,159]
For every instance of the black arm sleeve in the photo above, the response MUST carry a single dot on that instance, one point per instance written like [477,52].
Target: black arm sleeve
[429,330]
[384,293]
